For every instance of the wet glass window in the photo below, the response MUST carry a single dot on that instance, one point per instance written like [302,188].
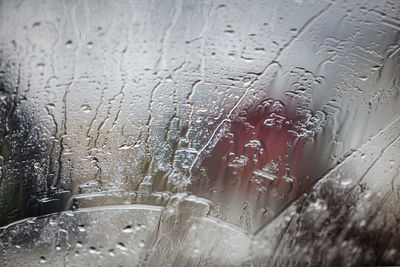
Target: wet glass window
[199,133]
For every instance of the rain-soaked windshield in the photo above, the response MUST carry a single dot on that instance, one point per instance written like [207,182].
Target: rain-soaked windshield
[199,133]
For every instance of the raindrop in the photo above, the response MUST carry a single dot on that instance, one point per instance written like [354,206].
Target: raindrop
[141,244]
[121,246]
[92,250]
[42,259]
[125,147]
[68,43]
[86,108]
[128,229]
[111,253]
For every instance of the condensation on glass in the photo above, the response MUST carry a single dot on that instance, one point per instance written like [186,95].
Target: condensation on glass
[204,133]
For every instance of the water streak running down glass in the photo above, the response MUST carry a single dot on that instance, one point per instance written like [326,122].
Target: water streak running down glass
[199,133]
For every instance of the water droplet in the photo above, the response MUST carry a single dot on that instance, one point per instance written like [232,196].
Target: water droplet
[141,244]
[92,250]
[86,108]
[128,229]
[36,165]
[125,147]
[42,259]
[346,182]
[68,43]
[269,122]
[111,253]
[121,246]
